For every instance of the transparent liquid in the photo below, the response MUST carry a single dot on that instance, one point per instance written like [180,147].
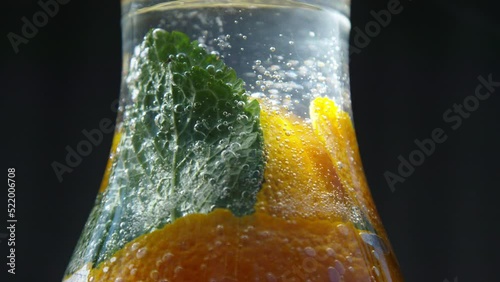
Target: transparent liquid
[314,218]
[289,54]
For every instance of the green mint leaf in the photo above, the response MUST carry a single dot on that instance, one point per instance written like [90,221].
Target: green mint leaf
[191,142]
[193,132]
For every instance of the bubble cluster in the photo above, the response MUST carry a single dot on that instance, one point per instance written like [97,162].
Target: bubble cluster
[285,71]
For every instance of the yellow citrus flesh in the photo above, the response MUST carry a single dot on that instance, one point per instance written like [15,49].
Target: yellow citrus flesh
[221,247]
[299,177]
[334,128]
[299,231]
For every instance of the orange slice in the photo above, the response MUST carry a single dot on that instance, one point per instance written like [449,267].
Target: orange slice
[299,177]
[334,128]
[221,247]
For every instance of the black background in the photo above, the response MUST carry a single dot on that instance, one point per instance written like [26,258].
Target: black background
[442,221]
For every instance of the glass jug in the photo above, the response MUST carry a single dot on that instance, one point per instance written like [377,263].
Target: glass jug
[234,156]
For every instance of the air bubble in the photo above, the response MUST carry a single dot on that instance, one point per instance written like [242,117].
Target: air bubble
[178,108]
[167,257]
[340,267]
[210,69]
[178,269]
[198,127]
[219,73]
[158,32]
[135,246]
[310,251]
[154,274]
[141,253]
[160,121]
[333,274]
[220,227]
[258,62]
[344,230]
[227,155]
[272,49]
[181,56]
[235,146]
